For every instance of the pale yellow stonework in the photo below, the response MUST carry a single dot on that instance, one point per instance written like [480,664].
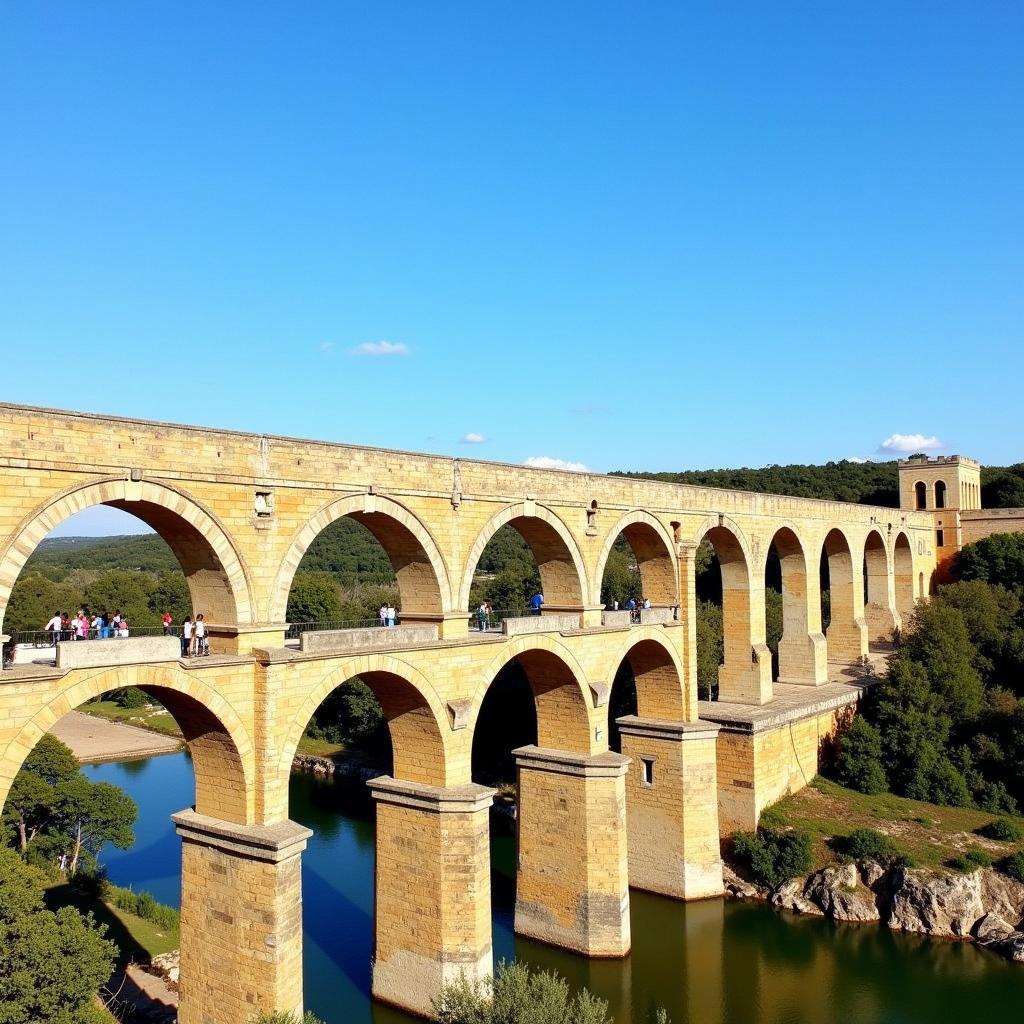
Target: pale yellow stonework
[240,510]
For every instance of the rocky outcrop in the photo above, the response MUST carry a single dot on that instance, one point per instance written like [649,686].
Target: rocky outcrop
[790,896]
[933,904]
[837,890]
[740,888]
[1002,895]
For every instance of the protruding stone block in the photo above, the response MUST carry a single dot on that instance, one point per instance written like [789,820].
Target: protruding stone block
[433,890]
[573,880]
[746,682]
[803,659]
[672,807]
[241,919]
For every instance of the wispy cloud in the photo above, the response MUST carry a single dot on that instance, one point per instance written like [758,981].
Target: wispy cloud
[327,347]
[381,348]
[911,443]
[472,438]
[546,462]
[859,459]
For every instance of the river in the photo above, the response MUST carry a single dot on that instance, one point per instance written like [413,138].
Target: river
[712,962]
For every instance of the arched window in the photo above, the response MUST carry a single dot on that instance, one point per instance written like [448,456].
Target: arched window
[940,494]
[921,494]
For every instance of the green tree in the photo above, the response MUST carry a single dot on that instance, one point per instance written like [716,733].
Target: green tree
[995,559]
[31,805]
[124,591]
[92,814]
[710,647]
[171,593]
[52,964]
[859,758]
[314,598]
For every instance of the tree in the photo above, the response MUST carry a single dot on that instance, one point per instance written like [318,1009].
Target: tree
[995,559]
[124,591]
[31,804]
[314,598]
[52,963]
[92,814]
[710,647]
[171,594]
[859,758]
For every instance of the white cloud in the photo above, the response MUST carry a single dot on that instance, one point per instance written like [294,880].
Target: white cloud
[381,348]
[472,438]
[856,458]
[327,347]
[910,443]
[546,462]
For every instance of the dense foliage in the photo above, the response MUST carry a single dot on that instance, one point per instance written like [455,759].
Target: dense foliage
[54,815]
[870,844]
[773,856]
[51,963]
[518,995]
[946,723]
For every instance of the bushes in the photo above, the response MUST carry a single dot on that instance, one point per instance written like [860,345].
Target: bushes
[1003,830]
[519,994]
[131,697]
[970,860]
[774,856]
[859,758]
[1014,866]
[142,904]
[870,844]
[287,1018]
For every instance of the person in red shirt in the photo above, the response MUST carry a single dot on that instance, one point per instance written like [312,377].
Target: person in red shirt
[167,620]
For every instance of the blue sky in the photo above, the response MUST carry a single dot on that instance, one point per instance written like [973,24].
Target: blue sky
[652,236]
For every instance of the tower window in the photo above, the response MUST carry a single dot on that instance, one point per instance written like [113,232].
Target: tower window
[940,494]
[939,539]
[647,767]
[921,494]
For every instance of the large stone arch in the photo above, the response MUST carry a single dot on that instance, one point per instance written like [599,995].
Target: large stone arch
[417,720]
[745,677]
[654,549]
[217,576]
[846,637]
[220,744]
[423,579]
[658,672]
[561,693]
[903,577]
[563,573]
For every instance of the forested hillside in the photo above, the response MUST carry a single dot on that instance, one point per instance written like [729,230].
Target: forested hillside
[866,483]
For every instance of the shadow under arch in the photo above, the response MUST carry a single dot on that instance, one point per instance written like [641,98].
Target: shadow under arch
[563,574]
[561,693]
[417,721]
[844,638]
[217,577]
[877,610]
[423,580]
[797,624]
[220,745]
[654,548]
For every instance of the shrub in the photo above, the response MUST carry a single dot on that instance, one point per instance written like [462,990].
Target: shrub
[518,994]
[1014,866]
[1002,829]
[870,844]
[774,856]
[859,758]
[970,860]
[287,1018]
[142,904]
[130,697]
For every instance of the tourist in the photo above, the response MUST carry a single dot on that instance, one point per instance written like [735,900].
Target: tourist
[481,616]
[391,614]
[186,637]
[537,602]
[53,627]
[647,603]
[382,614]
[122,628]
[199,640]
[65,626]
[104,624]
[167,620]
[81,625]
[98,625]
[615,605]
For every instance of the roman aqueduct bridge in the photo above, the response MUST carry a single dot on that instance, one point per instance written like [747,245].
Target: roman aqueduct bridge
[239,511]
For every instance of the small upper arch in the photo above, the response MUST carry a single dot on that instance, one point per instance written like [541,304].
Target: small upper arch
[654,549]
[218,578]
[423,579]
[563,573]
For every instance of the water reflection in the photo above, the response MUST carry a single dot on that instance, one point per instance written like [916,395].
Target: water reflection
[706,963]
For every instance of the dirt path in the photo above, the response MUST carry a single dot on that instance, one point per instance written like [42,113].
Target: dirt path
[95,739]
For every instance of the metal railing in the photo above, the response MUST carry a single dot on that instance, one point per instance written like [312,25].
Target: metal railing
[296,629]
[495,618]
[46,637]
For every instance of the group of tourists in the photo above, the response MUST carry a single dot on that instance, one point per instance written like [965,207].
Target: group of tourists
[388,614]
[83,625]
[483,616]
[634,607]
[195,641]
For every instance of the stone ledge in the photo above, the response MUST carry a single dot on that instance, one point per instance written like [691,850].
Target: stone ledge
[436,799]
[271,843]
[631,725]
[528,624]
[133,650]
[606,765]
[793,704]
[372,638]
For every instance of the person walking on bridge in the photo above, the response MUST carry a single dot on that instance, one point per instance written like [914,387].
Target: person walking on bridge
[537,602]
[53,627]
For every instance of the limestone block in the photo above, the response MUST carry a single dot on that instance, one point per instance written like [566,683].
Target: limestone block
[131,650]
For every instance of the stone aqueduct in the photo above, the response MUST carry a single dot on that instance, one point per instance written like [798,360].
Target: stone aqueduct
[239,511]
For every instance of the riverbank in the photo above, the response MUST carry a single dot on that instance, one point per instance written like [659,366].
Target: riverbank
[96,740]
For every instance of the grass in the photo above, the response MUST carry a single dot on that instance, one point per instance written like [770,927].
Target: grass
[137,940]
[320,748]
[929,834]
